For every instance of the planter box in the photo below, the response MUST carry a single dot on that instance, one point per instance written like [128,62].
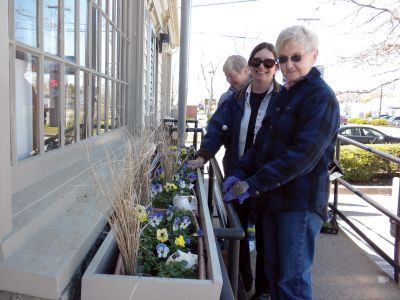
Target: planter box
[99,282]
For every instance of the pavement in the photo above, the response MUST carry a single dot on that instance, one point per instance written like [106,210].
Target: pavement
[345,267]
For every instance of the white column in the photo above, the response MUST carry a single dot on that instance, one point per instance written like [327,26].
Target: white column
[135,76]
[5,161]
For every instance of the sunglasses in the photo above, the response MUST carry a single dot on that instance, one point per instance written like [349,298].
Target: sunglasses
[267,63]
[295,58]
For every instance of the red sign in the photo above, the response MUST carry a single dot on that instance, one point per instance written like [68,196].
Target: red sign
[53,83]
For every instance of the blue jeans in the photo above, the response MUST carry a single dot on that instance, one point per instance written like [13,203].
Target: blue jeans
[288,248]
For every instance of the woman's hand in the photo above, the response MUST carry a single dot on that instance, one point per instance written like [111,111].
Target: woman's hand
[196,163]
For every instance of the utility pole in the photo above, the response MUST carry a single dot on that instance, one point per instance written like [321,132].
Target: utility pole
[380,104]
[212,74]
[183,70]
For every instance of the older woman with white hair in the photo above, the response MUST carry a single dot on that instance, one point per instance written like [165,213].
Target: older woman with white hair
[287,167]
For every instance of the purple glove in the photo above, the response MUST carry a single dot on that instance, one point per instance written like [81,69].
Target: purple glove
[242,197]
[228,197]
[229,182]
[239,191]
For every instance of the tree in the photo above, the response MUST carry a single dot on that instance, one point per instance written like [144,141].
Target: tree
[380,20]
[210,69]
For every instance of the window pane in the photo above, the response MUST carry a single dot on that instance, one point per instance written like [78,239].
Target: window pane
[51,105]
[104,5]
[83,33]
[69,29]
[50,26]
[26,22]
[70,133]
[110,9]
[94,105]
[118,105]
[116,55]
[124,103]
[109,105]
[103,44]
[112,105]
[95,39]
[83,83]
[116,12]
[102,105]
[110,50]
[26,104]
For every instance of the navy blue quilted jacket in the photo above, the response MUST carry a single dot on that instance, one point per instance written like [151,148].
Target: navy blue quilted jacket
[287,166]
[224,129]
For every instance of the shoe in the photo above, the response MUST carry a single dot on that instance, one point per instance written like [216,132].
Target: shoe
[260,296]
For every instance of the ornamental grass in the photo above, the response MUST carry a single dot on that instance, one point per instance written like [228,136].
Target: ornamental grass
[123,179]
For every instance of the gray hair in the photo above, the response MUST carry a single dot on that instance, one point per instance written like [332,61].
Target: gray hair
[299,34]
[234,63]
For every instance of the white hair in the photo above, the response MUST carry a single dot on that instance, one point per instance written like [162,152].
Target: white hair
[299,34]
[234,63]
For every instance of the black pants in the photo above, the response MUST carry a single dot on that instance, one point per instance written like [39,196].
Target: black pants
[248,212]
[261,278]
[244,253]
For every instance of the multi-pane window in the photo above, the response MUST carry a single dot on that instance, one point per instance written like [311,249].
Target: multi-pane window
[26,105]
[66,87]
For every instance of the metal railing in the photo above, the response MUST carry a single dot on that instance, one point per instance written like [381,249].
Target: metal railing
[171,122]
[230,227]
[394,219]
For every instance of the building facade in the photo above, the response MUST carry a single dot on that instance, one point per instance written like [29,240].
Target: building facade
[75,74]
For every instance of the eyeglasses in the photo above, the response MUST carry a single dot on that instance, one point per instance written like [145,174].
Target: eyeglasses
[294,58]
[267,63]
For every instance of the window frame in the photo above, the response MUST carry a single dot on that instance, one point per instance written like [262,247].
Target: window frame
[114,79]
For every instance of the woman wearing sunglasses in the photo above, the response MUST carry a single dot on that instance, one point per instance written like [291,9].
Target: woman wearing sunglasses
[287,167]
[235,125]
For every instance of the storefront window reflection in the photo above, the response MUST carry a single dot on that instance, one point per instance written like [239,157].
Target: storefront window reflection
[70,100]
[51,105]
[69,29]
[26,104]
[26,22]
[50,25]
[83,83]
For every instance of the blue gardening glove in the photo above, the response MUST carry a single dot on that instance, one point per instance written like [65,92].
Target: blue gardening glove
[228,196]
[229,182]
[240,191]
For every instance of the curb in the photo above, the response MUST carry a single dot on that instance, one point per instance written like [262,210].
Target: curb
[373,190]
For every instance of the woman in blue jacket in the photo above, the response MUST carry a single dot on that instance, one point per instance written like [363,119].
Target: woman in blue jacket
[287,167]
[235,125]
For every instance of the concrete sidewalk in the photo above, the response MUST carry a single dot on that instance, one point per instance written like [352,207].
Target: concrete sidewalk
[343,271]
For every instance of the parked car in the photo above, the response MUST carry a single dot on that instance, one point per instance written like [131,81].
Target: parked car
[366,135]
[394,120]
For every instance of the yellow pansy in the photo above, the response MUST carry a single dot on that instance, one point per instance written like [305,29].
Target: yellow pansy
[180,241]
[162,235]
[142,216]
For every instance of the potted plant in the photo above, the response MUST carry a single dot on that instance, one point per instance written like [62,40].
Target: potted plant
[142,250]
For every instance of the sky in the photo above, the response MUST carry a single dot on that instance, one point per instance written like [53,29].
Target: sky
[219,30]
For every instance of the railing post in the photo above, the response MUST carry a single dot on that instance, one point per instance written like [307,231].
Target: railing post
[336,182]
[195,134]
[396,191]
[211,179]
[233,265]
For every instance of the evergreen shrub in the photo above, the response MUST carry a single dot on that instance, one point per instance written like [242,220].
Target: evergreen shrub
[361,166]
